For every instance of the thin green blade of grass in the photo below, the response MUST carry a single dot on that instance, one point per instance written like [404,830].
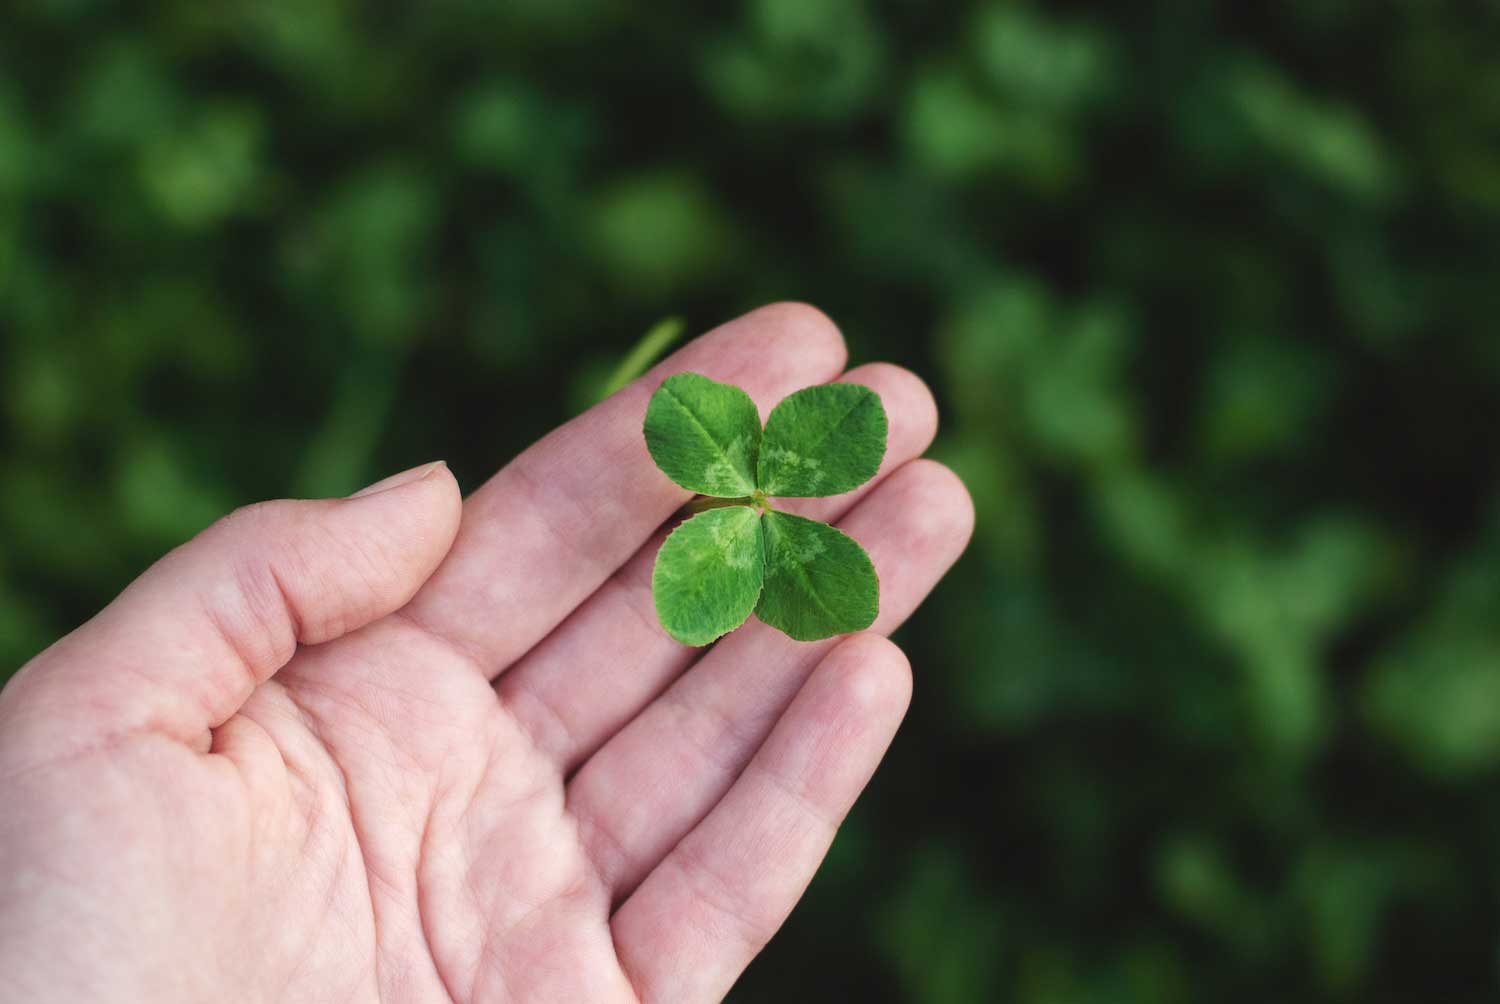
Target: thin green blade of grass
[662,335]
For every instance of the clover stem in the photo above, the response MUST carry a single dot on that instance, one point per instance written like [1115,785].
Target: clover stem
[703,503]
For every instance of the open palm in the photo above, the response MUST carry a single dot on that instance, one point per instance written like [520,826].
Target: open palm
[405,747]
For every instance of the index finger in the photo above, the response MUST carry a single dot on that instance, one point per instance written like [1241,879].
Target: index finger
[555,522]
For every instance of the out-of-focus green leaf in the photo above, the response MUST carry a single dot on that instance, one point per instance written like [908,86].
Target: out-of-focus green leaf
[795,60]
[661,233]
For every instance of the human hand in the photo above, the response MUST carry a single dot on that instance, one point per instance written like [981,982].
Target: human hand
[404,747]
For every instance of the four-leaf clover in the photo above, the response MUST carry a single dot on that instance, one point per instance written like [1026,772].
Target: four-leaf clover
[739,554]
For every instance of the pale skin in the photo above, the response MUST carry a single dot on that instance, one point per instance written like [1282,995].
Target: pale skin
[408,746]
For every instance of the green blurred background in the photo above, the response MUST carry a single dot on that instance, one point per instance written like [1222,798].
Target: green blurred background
[1207,293]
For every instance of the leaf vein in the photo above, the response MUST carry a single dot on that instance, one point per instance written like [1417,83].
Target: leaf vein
[723,448]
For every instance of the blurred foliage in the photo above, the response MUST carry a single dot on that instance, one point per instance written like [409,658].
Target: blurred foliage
[1207,292]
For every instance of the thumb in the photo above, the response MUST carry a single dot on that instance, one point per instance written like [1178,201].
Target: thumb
[181,649]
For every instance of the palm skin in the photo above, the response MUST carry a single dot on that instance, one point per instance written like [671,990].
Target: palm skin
[404,747]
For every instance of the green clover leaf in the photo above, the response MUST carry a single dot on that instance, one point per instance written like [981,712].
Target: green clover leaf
[704,435]
[824,440]
[818,581]
[740,555]
[708,574]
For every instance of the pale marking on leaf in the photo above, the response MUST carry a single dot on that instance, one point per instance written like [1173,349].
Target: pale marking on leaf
[812,547]
[793,460]
[724,468]
[722,538]
[725,540]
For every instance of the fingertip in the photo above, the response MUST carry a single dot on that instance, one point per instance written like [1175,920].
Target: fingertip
[448,498]
[769,352]
[799,328]
[908,402]
[429,496]
[942,516]
[871,675]
[399,480]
